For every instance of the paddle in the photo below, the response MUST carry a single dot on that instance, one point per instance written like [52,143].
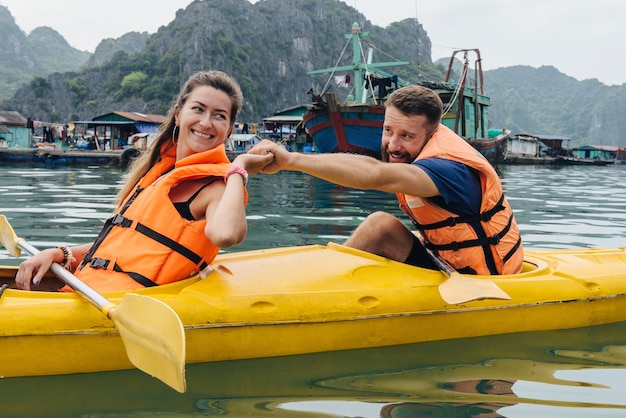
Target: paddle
[151,331]
[459,288]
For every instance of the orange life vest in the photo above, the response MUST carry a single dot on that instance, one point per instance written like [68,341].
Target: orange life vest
[497,249]
[147,242]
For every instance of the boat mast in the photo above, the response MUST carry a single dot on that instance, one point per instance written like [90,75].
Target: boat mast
[359,67]
[479,88]
[360,70]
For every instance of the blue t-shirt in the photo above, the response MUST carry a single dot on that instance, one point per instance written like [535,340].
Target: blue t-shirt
[458,185]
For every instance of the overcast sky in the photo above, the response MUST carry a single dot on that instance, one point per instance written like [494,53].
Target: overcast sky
[583,39]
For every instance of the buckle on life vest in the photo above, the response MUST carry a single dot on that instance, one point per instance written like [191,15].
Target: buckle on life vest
[495,240]
[486,216]
[99,263]
[120,220]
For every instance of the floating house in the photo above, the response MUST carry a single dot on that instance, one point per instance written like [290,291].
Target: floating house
[599,152]
[14,130]
[535,149]
[286,126]
[116,128]
[242,142]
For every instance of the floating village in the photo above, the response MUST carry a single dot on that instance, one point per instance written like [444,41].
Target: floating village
[118,137]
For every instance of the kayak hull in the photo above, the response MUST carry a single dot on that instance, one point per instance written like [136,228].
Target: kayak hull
[310,299]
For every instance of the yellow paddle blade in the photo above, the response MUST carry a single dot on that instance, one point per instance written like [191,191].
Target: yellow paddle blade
[459,288]
[154,338]
[8,238]
[152,332]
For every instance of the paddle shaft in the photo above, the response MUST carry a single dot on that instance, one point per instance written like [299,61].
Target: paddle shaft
[72,281]
[441,264]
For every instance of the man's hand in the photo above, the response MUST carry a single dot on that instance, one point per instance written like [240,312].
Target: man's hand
[280,155]
[254,163]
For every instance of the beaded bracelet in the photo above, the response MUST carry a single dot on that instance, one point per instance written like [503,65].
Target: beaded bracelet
[68,257]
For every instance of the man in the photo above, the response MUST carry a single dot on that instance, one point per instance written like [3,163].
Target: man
[449,190]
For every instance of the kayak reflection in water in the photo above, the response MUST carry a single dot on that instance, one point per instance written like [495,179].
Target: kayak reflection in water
[456,409]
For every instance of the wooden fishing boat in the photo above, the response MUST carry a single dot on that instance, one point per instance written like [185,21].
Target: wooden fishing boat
[308,299]
[355,125]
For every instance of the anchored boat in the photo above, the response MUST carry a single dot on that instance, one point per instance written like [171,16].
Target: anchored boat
[309,299]
[356,125]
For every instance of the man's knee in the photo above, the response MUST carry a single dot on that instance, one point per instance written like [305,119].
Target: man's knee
[383,219]
[379,228]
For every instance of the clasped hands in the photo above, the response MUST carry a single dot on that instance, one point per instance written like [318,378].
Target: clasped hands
[277,162]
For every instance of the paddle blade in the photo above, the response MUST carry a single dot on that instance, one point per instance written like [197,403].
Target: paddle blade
[8,238]
[459,288]
[154,338]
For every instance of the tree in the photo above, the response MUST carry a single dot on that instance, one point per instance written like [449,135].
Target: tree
[133,83]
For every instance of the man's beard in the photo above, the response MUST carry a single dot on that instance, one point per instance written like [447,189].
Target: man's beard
[384,155]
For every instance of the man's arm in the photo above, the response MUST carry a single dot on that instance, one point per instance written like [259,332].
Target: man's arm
[351,170]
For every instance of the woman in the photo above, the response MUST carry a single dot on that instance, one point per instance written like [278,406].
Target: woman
[182,202]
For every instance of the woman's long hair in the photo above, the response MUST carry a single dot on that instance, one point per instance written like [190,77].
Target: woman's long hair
[167,137]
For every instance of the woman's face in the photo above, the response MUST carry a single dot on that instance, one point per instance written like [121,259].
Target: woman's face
[203,121]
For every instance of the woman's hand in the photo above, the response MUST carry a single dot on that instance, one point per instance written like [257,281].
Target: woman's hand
[33,269]
[252,163]
[279,153]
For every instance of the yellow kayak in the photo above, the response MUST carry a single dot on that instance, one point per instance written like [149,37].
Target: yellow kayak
[311,299]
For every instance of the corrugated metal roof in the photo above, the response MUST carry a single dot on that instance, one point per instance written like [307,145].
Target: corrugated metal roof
[284,119]
[131,116]
[9,117]
[564,138]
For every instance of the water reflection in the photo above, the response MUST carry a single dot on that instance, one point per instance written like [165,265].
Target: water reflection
[577,372]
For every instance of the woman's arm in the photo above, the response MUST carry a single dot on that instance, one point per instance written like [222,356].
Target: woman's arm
[225,214]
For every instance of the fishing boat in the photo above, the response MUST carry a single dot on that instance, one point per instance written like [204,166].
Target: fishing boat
[355,125]
[297,300]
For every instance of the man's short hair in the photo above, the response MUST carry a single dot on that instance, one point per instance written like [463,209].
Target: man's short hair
[417,100]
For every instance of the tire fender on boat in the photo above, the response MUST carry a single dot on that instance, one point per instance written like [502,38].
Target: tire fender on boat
[128,156]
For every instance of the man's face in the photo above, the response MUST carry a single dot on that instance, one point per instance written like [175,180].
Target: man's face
[404,136]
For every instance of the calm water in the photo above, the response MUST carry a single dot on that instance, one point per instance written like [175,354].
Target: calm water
[573,373]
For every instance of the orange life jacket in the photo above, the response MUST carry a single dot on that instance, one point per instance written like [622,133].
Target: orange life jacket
[454,238]
[147,242]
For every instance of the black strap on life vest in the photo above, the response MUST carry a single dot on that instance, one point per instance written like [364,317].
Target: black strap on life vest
[119,220]
[455,246]
[468,219]
[482,241]
[106,229]
[513,250]
[102,263]
[124,222]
